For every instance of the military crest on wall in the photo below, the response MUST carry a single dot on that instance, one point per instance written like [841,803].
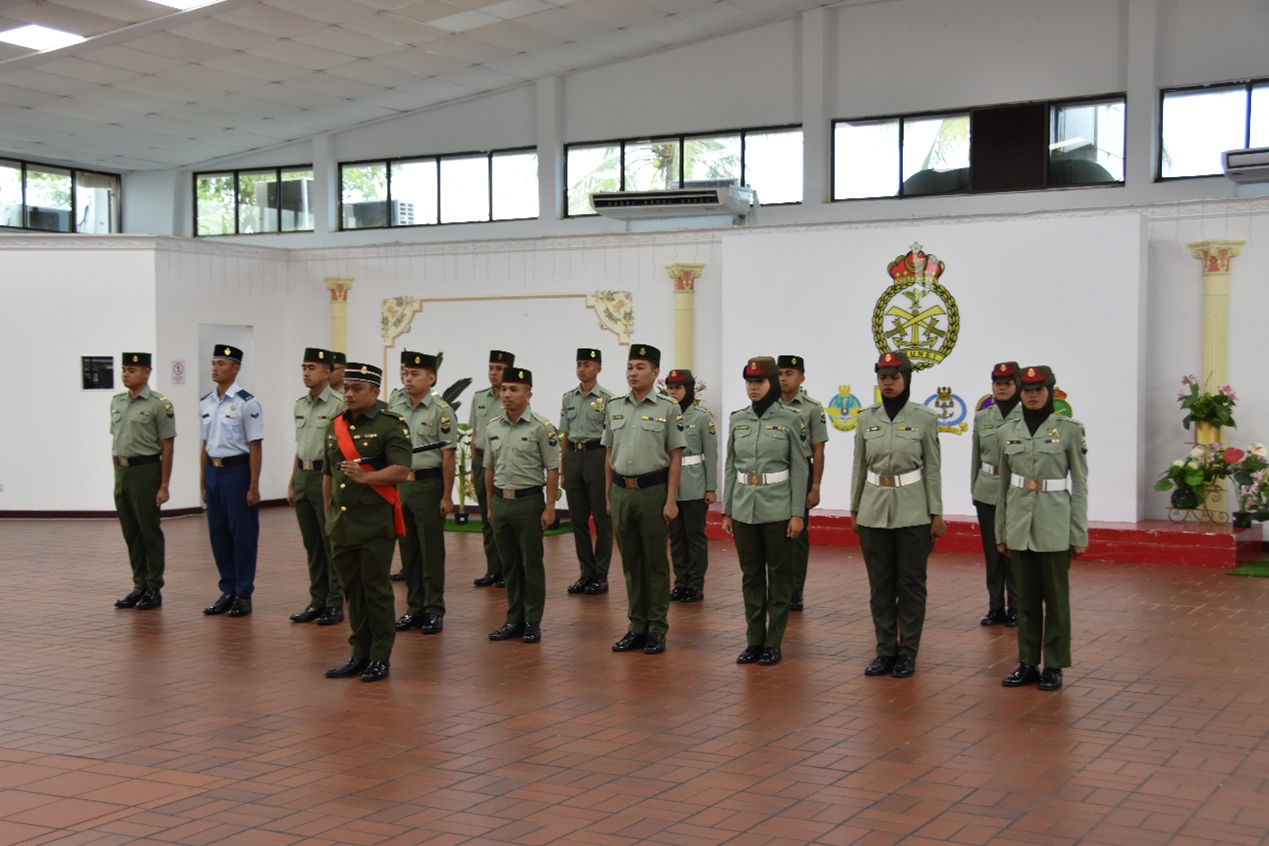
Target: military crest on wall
[916,314]
[951,410]
[843,409]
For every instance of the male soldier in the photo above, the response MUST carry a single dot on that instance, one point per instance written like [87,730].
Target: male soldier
[644,436]
[522,454]
[384,405]
[313,413]
[984,471]
[792,375]
[485,405]
[367,456]
[339,361]
[143,429]
[698,489]
[581,425]
[425,498]
[229,479]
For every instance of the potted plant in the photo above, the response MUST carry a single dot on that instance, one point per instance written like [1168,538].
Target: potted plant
[1250,486]
[1208,412]
[1192,477]
[465,487]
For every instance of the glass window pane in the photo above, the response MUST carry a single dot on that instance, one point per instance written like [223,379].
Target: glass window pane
[214,203]
[257,202]
[364,189]
[652,165]
[773,165]
[414,192]
[10,193]
[935,154]
[591,169]
[96,203]
[1260,116]
[714,157]
[464,189]
[1200,125]
[48,198]
[296,204]
[1086,143]
[515,186]
[866,159]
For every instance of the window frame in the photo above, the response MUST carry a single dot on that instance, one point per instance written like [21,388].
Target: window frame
[1248,85]
[236,175]
[74,188]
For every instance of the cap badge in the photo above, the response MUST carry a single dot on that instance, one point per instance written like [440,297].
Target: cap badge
[1030,371]
[227,350]
[642,351]
[417,359]
[889,357]
[674,374]
[521,374]
[592,353]
[321,354]
[795,359]
[134,358]
[365,369]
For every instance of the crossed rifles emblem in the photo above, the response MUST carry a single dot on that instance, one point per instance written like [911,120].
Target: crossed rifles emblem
[916,321]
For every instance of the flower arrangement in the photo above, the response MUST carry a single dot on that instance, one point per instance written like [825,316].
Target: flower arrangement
[1191,476]
[1250,485]
[1215,409]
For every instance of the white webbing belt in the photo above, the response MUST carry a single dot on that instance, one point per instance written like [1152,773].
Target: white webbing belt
[1042,485]
[762,478]
[901,481]
[991,469]
[689,460]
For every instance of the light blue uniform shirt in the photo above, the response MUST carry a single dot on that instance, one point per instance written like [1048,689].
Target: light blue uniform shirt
[230,423]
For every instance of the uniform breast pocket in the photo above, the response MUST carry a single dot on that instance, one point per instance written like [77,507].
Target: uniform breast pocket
[617,423]
[873,433]
[299,423]
[652,425]
[426,431]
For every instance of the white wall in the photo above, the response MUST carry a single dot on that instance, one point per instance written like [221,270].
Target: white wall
[1211,40]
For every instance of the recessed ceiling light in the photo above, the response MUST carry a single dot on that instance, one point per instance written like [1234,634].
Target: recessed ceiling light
[185,4]
[38,37]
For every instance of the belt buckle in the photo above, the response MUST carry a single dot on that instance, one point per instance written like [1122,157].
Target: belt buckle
[755,478]
[410,476]
[577,446]
[216,462]
[630,483]
[1032,485]
[123,461]
[886,481]
[507,493]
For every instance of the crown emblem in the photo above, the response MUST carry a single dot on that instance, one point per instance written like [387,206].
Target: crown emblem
[944,394]
[917,267]
[905,317]
[321,354]
[592,353]
[134,358]
[226,350]
[365,369]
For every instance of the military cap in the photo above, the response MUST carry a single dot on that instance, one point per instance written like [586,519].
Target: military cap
[502,357]
[136,359]
[1005,370]
[645,353]
[588,354]
[1038,376]
[317,355]
[418,359]
[891,363]
[226,351]
[761,367]
[513,375]
[358,372]
[338,357]
[794,361]
[680,377]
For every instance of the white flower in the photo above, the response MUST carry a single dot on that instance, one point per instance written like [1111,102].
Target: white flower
[1198,452]
[1178,463]
[1257,449]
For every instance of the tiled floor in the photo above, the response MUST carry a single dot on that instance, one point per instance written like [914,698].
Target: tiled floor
[126,727]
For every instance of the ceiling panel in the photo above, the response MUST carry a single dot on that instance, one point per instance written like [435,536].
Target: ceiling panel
[48,83]
[130,59]
[326,11]
[64,18]
[334,87]
[223,34]
[514,37]
[88,110]
[257,66]
[219,81]
[301,55]
[348,42]
[176,47]
[394,29]
[11,95]
[271,20]
[86,70]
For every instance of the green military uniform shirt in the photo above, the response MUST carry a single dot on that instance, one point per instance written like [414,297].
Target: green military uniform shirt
[139,424]
[394,396]
[430,420]
[773,443]
[582,415]
[886,447]
[1036,520]
[813,417]
[357,513]
[312,417]
[698,431]
[484,405]
[522,452]
[642,434]
[988,423]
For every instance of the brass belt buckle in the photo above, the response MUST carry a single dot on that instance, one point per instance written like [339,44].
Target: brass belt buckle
[216,462]
[409,477]
[1032,485]
[755,478]
[507,493]
[123,461]
[633,484]
[886,481]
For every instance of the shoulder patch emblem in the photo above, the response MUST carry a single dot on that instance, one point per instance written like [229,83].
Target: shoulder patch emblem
[711,426]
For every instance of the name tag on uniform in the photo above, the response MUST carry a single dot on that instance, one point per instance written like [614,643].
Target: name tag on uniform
[989,425]
[874,429]
[1011,443]
[741,427]
[371,435]
[618,417]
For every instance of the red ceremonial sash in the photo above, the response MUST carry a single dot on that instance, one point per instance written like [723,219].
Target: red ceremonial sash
[388,492]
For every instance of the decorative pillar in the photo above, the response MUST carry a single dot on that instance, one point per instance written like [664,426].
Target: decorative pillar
[339,286]
[684,276]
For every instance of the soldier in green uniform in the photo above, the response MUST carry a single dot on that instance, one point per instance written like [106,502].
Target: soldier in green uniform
[764,500]
[896,508]
[339,361]
[698,490]
[792,375]
[581,425]
[984,471]
[1041,524]
[426,497]
[367,456]
[487,404]
[313,413]
[644,436]
[142,430]
[523,454]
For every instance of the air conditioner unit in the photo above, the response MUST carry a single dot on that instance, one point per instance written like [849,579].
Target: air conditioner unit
[732,201]
[51,220]
[1247,166]
[375,214]
[297,211]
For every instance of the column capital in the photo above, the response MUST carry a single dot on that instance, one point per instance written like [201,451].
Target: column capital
[1215,255]
[684,275]
[339,286]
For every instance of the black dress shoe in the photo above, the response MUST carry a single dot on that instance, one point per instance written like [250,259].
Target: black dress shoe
[795,604]
[579,586]
[220,606]
[629,641]
[655,644]
[502,583]
[409,621]
[994,617]
[904,666]
[769,656]
[331,616]
[375,671]
[1011,619]
[1050,679]
[150,599]
[532,632]
[692,595]
[131,600]
[750,655]
[240,608]
[880,666]
[596,587]
[353,667]
[1025,674]
[397,577]
[677,594]
[508,631]
[487,580]
[308,615]
[431,624]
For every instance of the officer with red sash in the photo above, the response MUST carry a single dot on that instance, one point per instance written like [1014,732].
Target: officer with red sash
[367,456]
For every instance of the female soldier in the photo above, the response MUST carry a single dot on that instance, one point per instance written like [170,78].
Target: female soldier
[1041,523]
[984,479]
[698,486]
[764,500]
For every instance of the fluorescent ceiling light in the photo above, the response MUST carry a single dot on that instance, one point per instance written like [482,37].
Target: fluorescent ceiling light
[185,4]
[38,37]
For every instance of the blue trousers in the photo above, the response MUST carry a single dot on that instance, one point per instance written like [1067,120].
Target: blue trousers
[234,527]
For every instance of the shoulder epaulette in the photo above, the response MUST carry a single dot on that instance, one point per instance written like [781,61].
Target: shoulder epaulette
[206,395]
[245,394]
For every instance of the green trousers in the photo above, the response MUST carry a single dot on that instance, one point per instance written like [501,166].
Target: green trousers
[802,544]
[518,532]
[324,589]
[1044,606]
[492,564]
[1000,583]
[364,570]
[423,547]
[584,487]
[689,548]
[766,553]
[135,490]
[637,517]
[896,560]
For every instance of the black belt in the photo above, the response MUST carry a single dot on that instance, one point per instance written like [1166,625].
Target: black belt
[647,480]
[520,494]
[231,461]
[584,446]
[305,464]
[428,473]
[136,460]
[480,453]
